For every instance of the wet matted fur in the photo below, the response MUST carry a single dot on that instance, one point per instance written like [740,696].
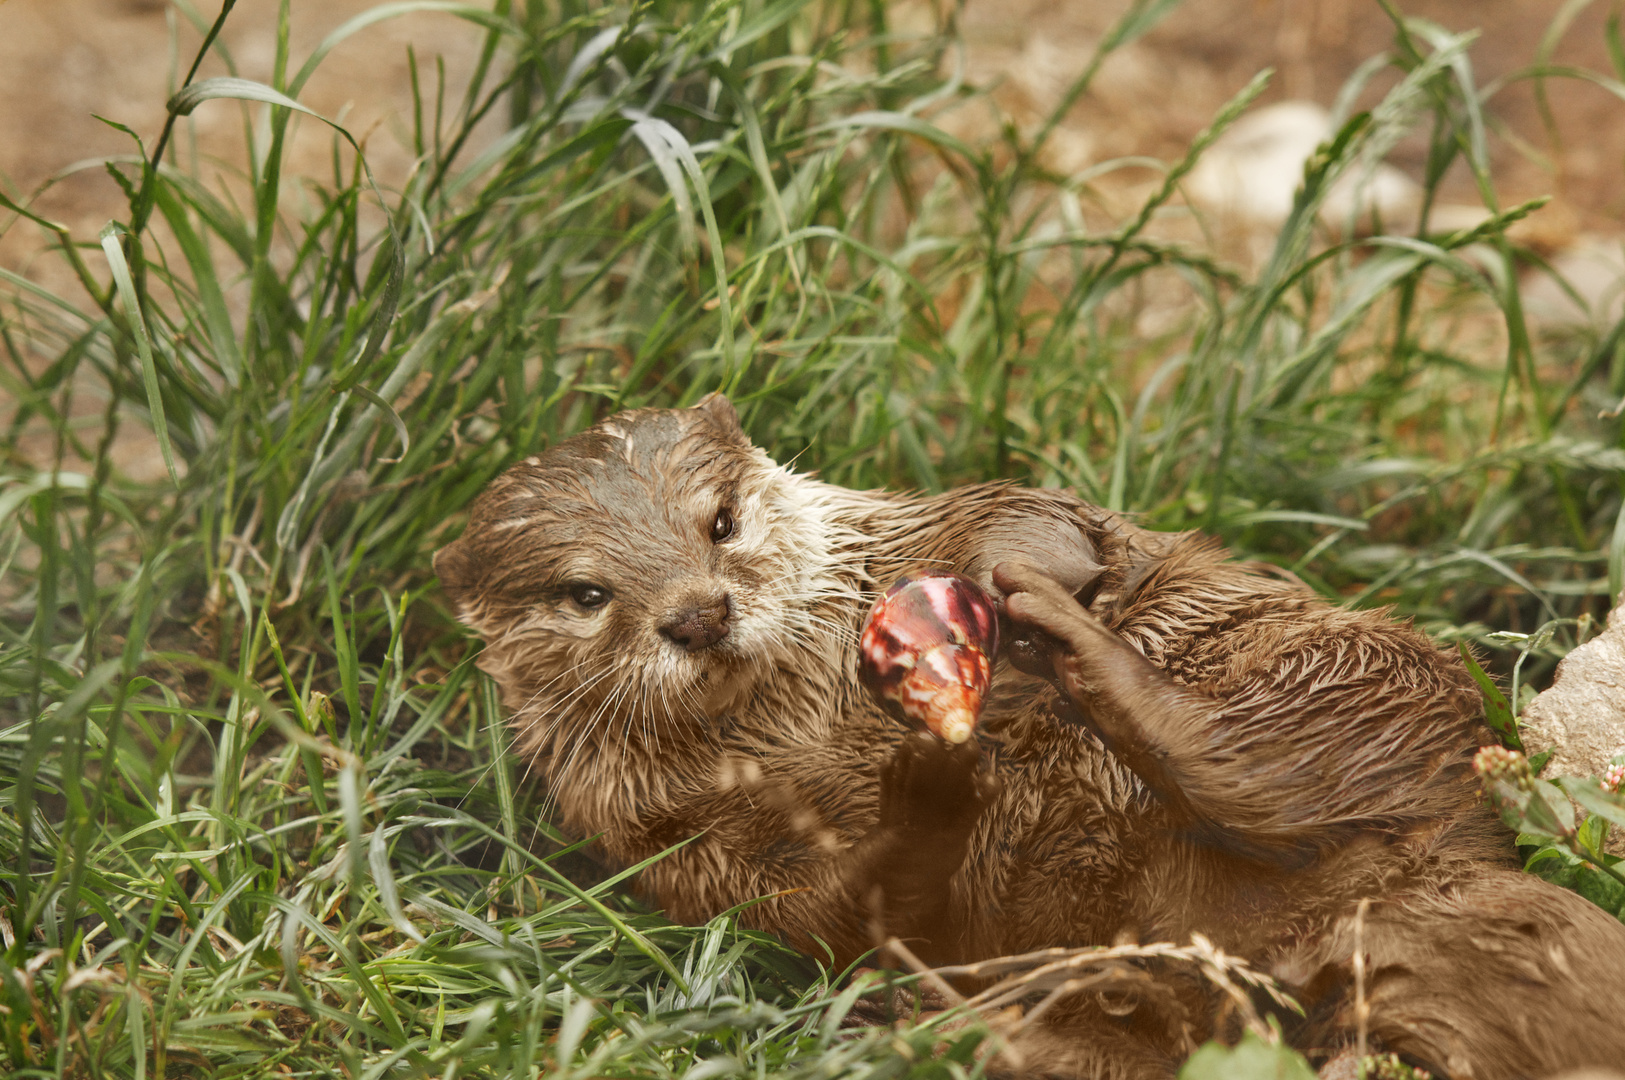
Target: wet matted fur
[1299,757]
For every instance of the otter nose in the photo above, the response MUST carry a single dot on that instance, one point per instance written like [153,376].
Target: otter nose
[698,626]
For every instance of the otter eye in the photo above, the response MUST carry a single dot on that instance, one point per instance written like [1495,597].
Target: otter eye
[723,526]
[588,595]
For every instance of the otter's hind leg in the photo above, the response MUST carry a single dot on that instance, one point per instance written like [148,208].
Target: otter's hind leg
[1495,977]
[1059,1052]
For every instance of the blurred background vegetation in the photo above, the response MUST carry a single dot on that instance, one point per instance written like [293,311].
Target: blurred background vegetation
[255,815]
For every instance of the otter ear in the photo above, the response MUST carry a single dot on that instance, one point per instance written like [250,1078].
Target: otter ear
[723,415]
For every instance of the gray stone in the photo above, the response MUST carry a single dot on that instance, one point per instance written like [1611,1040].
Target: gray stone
[1583,714]
[1594,267]
[1254,170]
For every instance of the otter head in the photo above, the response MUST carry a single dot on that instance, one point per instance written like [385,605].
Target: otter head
[642,576]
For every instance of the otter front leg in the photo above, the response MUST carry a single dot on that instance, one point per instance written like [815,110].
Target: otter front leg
[1199,761]
[1146,719]
[931,796]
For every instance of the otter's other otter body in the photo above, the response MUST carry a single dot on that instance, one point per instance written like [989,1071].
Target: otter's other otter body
[672,619]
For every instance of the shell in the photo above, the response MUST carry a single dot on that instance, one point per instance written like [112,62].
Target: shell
[926,652]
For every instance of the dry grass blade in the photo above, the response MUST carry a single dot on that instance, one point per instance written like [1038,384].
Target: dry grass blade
[1046,977]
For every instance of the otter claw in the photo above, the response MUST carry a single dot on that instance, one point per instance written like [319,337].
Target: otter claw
[1032,651]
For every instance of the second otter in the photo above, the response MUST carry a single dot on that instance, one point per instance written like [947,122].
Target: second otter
[672,619]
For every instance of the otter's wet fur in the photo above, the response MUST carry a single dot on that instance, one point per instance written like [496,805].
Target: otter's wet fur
[672,619]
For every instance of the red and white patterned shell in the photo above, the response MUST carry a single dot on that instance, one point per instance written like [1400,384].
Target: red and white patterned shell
[926,651]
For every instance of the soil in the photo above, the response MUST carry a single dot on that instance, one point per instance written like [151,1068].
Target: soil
[1153,96]
[65,63]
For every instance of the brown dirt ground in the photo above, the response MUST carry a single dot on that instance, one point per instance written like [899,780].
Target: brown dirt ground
[63,61]
[1153,96]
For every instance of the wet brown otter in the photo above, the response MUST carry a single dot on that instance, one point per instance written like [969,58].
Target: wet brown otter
[672,619]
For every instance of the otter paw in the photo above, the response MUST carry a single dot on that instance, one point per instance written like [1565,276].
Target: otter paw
[934,787]
[1031,651]
[1045,613]
[931,795]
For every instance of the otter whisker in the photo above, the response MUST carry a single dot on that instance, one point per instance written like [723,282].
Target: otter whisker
[540,739]
[561,709]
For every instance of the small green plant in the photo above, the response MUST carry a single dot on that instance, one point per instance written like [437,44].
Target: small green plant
[1556,844]
[1252,1058]
[1389,1067]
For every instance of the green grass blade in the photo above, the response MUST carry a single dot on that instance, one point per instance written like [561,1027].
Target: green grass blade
[111,245]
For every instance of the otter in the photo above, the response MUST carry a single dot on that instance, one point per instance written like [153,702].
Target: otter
[1177,742]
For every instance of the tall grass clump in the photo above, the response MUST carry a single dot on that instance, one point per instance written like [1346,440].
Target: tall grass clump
[256,817]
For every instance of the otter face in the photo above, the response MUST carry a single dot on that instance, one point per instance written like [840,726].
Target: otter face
[637,577]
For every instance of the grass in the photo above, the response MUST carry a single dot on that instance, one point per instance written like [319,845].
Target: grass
[256,817]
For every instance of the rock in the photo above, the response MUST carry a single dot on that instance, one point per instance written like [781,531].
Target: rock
[1594,267]
[1551,230]
[1583,714]
[1344,1065]
[1255,169]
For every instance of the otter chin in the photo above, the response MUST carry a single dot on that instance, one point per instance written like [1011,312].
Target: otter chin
[1189,744]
